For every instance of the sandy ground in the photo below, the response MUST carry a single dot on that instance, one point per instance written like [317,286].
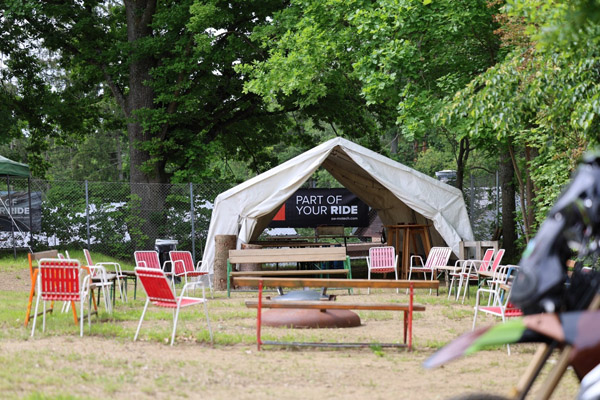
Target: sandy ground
[106,364]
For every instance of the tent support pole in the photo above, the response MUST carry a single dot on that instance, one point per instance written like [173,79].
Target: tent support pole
[30,214]
[12,225]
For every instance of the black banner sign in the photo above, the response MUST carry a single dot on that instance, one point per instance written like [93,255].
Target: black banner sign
[313,207]
[19,208]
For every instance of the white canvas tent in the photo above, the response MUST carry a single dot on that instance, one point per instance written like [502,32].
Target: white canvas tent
[397,192]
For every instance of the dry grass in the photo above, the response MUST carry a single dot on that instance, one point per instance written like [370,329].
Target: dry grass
[106,363]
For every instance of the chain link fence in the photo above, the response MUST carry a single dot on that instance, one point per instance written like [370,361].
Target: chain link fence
[118,218]
[483,198]
[109,217]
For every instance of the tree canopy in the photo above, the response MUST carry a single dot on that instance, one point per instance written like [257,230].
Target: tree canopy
[542,98]
[173,91]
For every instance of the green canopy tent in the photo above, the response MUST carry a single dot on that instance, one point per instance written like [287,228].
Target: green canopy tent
[13,168]
[10,168]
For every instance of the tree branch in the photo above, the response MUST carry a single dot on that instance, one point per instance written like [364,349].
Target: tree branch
[526,226]
[116,91]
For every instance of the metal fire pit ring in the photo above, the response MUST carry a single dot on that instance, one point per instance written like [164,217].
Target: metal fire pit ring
[308,319]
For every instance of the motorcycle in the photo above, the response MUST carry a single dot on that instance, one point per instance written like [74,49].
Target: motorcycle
[561,310]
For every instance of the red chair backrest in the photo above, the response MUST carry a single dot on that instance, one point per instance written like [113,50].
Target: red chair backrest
[485,261]
[59,279]
[88,257]
[182,261]
[147,259]
[438,257]
[382,257]
[156,285]
[498,259]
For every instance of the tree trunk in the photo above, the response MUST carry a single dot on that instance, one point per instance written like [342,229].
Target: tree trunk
[223,243]
[119,155]
[522,192]
[530,154]
[509,234]
[143,168]
[394,145]
[461,161]
[141,96]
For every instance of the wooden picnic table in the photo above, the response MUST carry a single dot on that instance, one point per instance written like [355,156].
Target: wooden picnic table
[337,283]
[324,305]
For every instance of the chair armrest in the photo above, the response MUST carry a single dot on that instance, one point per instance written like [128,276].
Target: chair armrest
[485,290]
[419,257]
[479,291]
[94,269]
[192,285]
[465,264]
[141,263]
[477,263]
[115,265]
[165,265]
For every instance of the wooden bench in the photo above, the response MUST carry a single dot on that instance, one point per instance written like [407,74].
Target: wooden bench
[408,309]
[287,255]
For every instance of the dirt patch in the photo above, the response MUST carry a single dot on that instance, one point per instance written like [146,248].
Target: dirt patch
[106,363]
[15,280]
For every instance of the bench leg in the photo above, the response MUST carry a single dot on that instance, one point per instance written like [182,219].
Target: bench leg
[259,316]
[405,323]
[410,316]
[347,266]
[228,279]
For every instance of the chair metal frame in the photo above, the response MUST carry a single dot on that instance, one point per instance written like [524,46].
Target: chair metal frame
[437,257]
[160,293]
[183,265]
[381,260]
[501,307]
[118,272]
[148,259]
[469,273]
[61,280]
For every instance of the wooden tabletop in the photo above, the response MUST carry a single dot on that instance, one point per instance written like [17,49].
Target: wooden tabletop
[492,274]
[291,272]
[333,305]
[292,243]
[449,268]
[339,283]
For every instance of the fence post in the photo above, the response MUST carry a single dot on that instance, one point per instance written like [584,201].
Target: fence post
[87,213]
[497,198]
[193,216]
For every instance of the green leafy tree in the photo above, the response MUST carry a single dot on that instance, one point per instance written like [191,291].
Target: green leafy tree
[541,101]
[168,66]
[395,61]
